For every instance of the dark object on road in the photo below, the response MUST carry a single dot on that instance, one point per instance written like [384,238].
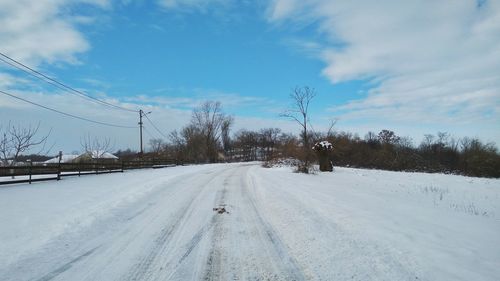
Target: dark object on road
[220,210]
[323,150]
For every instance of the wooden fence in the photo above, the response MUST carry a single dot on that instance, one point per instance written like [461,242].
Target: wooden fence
[43,172]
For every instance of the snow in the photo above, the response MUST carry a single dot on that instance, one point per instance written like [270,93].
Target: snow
[65,158]
[322,145]
[160,224]
[102,155]
[68,158]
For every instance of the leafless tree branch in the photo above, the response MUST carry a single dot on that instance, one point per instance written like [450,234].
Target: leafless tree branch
[95,147]
[16,140]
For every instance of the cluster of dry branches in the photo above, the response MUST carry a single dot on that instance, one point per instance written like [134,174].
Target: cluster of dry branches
[15,140]
[95,147]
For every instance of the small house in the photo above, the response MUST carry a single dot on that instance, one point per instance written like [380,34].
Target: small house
[93,156]
[65,158]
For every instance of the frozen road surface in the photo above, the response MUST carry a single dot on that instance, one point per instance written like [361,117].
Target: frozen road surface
[351,224]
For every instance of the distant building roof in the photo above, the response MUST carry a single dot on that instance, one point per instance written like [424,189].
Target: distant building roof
[66,158]
[101,155]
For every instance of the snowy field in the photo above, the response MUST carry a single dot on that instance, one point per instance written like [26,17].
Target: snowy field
[351,224]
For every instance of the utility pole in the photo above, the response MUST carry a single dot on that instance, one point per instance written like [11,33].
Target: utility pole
[141,114]
[140,127]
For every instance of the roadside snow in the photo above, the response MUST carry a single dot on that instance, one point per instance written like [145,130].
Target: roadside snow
[443,227]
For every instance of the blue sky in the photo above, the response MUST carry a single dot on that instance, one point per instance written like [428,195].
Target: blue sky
[415,67]
[179,54]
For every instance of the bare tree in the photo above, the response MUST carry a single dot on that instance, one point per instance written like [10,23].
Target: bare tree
[176,138]
[246,144]
[177,146]
[156,145]
[269,141]
[330,132]
[192,140]
[15,140]
[388,137]
[225,129]
[94,147]
[299,112]
[209,119]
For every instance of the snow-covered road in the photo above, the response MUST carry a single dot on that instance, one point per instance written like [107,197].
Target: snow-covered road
[160,225]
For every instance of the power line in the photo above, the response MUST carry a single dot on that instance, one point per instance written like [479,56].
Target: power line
[49,82]
[156,128]
[56,83]
[147,132]
[64,113]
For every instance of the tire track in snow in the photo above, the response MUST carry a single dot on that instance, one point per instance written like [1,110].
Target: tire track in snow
[115,225]
[214,225]
[290,264]
[375,260]
[143,271]
[89,240]
[214,263]
[65,267]
[267,258]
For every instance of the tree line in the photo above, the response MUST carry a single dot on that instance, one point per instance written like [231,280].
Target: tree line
[207,139]
[436,153]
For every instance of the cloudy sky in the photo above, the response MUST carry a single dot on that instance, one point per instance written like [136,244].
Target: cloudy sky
[413,66]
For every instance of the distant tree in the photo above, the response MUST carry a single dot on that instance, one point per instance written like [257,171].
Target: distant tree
[269,141]
[156,145]
[299,112]
[440,153]
[210,121]
[372,139]
[225,130]
[478,159]
[33,158]
[15,140]
[195,149]
[95,147]
[247,145]
[288,145]
[387,137]
[126,154]
[177,146]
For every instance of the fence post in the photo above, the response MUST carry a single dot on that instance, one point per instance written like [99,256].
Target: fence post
[59,166]
[30,169]
[122,165]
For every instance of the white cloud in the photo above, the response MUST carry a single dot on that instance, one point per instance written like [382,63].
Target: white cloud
[191,98]
[281,9]
[43,31]
[105,4]
[430,61]
[67,131]
[199,5]
[168,113]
